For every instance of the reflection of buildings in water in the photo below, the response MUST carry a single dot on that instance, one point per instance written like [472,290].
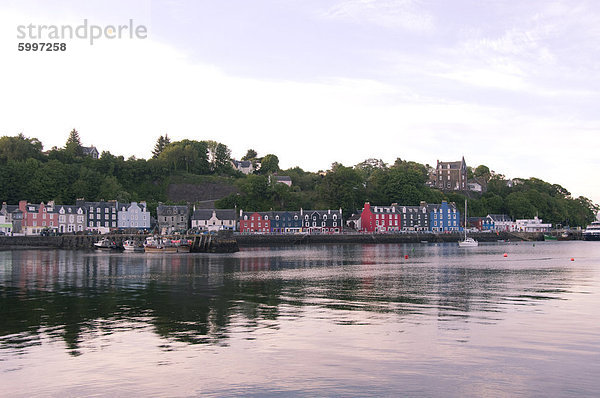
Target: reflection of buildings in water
[255,263]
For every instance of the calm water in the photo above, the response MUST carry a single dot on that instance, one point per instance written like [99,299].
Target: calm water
[334,320]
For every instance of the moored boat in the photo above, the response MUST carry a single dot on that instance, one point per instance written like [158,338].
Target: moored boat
[131,245]
[592,232]
[159,245]
[105,244]
[467,241]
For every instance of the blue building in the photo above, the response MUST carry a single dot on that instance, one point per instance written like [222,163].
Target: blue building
[286,221]
[444,217]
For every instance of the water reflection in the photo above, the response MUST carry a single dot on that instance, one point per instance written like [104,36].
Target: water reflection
[203,299]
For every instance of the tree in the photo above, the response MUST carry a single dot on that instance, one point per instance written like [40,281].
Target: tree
[73,145]
[250,155]
[161,143]
[19,148]
[222,162]
[269,164]
[343,187]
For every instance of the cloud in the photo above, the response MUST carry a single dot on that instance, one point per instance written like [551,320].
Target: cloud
[392,14]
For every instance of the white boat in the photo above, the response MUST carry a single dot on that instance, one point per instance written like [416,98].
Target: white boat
[131,245]
[592,232]
[105,244]
[467,242]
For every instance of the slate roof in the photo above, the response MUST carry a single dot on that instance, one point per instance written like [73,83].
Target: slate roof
[242,163]
[500,217]
[168,210]
[206,214]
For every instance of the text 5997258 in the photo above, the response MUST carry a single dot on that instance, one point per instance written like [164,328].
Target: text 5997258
[42,47]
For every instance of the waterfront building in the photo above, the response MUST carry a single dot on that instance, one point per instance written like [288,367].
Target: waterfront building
[414,218]
[321,221]
[133,216]
[255,222]
[444,217]
[532,225]
[37,218]
[285,222]
[380,218]
[13,216]
[214,219]
[172,218]
[71,218]
[353,222]
[101,216]
[499,222]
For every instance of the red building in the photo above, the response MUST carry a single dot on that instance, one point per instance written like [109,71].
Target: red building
[380,218]
[36,218]
[255,222]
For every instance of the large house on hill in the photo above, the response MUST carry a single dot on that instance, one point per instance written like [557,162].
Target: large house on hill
[449,176]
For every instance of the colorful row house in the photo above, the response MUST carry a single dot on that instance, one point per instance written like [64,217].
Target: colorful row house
[380,218]
[424,217]
[281,222]
[444,217]
[37,217]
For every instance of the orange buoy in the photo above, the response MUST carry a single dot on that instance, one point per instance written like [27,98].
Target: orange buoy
[406,256]
[572,259]
[505,254]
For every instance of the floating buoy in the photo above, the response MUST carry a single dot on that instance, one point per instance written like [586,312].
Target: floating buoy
[406,256]
[572,259]
[505,254]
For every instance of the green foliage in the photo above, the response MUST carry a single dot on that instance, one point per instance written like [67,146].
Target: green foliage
[19,148]
[343,188]
[269,164]
[250,155]
[73,146]
[160,145]
[64,176]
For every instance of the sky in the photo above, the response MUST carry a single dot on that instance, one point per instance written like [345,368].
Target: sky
[513,85]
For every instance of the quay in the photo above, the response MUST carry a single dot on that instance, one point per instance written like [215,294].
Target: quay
[218,243]
[227,242]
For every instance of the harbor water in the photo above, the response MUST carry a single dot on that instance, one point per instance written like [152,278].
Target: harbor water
[501,319]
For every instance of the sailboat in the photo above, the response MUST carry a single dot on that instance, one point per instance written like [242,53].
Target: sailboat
[467,242]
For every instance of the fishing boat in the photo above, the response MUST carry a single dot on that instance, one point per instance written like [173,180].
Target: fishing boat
[182,245]
[550,237]
[467,241]
[105,244]
[159,245]
[131,245]
[592,232]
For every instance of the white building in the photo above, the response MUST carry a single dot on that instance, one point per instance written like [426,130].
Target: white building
[245,166]
[5,227]
[71,218]
[532,225]
[213,220]
[133,215]
[500,222]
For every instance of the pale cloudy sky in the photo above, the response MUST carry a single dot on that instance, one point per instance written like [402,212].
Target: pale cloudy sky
[510,84]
